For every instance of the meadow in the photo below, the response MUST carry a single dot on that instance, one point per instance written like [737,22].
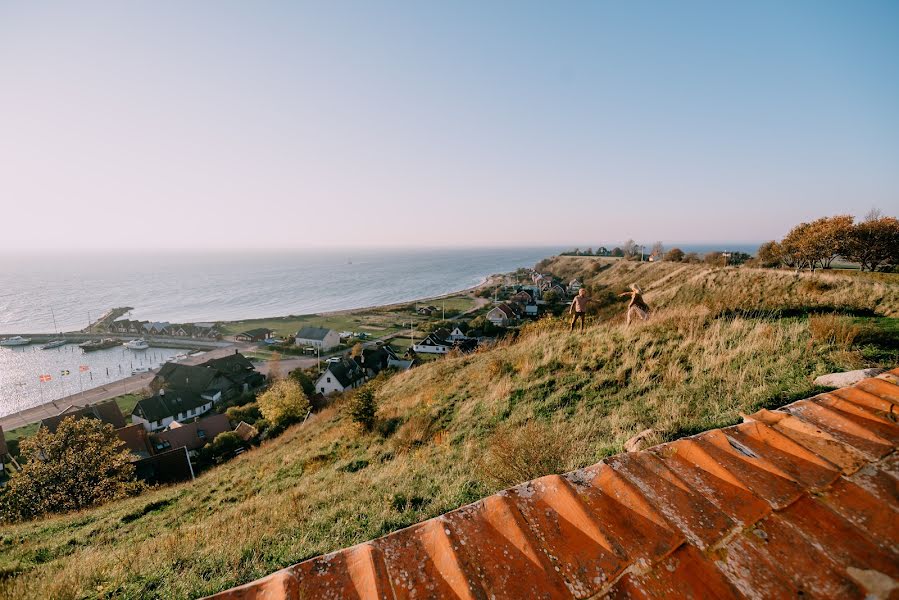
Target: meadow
[721,342]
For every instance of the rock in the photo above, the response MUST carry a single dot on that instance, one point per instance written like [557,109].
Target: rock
[640,441]
[846,378]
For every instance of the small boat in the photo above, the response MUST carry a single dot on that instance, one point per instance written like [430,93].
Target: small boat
[139,344]
[140,370]
[54,344]
[99,344]
[17,340]
[179,357]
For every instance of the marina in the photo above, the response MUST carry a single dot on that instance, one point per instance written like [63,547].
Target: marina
[30,376]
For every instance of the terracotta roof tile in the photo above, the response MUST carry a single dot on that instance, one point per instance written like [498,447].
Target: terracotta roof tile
[798,501]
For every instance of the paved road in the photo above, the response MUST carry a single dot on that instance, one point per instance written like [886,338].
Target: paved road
[128,385]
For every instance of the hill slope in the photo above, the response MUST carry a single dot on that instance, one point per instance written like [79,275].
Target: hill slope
[451,432]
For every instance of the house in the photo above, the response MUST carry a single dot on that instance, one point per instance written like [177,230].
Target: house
[501,315]
[559,290]
[341,375]
[456,334]
[163,408]
[245,431]
[573,286]
[170,466]
[136,440]
[206,330]
[108,412]
[255,335]
[373,360]
[434,344]
[531,310]
[237,368]
[318,337]
[192,436]
[156,328]
[425,310]
[210,383]
[522,298]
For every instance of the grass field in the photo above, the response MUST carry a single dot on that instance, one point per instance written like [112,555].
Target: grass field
[376,322]
[326,485]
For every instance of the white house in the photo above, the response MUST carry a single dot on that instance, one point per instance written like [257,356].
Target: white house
[318,337]
[456,334]
[573,286]
[159,411]
[433,344]
[501,315]
[341,375]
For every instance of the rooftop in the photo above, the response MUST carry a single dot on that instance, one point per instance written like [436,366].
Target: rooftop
[797,501]
[312,333]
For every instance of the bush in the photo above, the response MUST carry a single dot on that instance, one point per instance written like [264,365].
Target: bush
[82,464]
[362,408]
[284,403]
[223,446]
[833,329]
[675,255]
[523,453]
[249,413]
[304,380]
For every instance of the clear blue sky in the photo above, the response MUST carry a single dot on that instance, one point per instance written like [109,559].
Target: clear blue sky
[259,124]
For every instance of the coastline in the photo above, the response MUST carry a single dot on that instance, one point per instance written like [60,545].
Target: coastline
[132,384]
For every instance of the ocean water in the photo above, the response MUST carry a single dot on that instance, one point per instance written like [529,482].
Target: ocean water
[196,287]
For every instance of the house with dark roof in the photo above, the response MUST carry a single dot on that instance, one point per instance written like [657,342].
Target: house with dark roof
[433,344]
[192,435]
[136,440]
[238,369]
[210,383]
[798,502]
[501,315]
[108,412]
[255,335]
[341,375]
[317,337]
[372,360]
[170,466]
[168,405]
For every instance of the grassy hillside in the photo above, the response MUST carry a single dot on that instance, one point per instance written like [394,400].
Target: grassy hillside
[450,432]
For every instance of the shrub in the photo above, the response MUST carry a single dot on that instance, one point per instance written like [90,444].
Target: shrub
[284,403]
[83,463]
[833,329]
[675,255]
[223,446]
[523,453]
[414,432]
[249,413]
[362,408]
[497,367]
[304,380]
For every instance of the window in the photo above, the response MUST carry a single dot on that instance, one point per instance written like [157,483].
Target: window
[329,380]
[323,390]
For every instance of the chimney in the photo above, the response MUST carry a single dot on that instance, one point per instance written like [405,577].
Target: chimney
[162,392]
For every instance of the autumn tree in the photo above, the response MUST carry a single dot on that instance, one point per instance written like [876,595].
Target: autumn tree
[769,254]
[674,255]
[363,407]
[874,242]
[81,464]
[284,402]
[830,237]
[658,251]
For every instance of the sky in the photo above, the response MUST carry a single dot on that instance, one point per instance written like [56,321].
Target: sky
[285,124]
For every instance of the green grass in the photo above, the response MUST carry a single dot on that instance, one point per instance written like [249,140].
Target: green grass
[21,432]
[325,485]
[376,322]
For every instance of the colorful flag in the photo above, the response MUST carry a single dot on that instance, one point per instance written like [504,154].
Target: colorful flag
[64,372]
[45,378]
[84,368]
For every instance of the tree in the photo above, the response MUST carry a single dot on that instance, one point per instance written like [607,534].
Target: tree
[630,249]
[82,464]
[223,446]
[274,367]
[874,242]
[249,413]
[658,251]
[691,257]
[797,248]
[830,237]
[714,258]
[769,254]
[356,350]
[304,380]
[617,252]
[283,403]
[551,296]
[363,407]
[675,255]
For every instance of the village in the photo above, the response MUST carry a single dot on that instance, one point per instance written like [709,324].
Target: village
[191,417]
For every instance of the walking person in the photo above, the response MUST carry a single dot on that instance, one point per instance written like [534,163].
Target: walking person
[637,307]
[578,309]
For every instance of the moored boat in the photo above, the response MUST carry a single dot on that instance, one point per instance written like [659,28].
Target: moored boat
[54,344]
[16,340]
[138,344]
[103,344]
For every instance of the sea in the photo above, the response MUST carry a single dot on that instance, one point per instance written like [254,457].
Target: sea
[63,291]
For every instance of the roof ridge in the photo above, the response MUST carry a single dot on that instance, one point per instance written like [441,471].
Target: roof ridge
[797,499]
